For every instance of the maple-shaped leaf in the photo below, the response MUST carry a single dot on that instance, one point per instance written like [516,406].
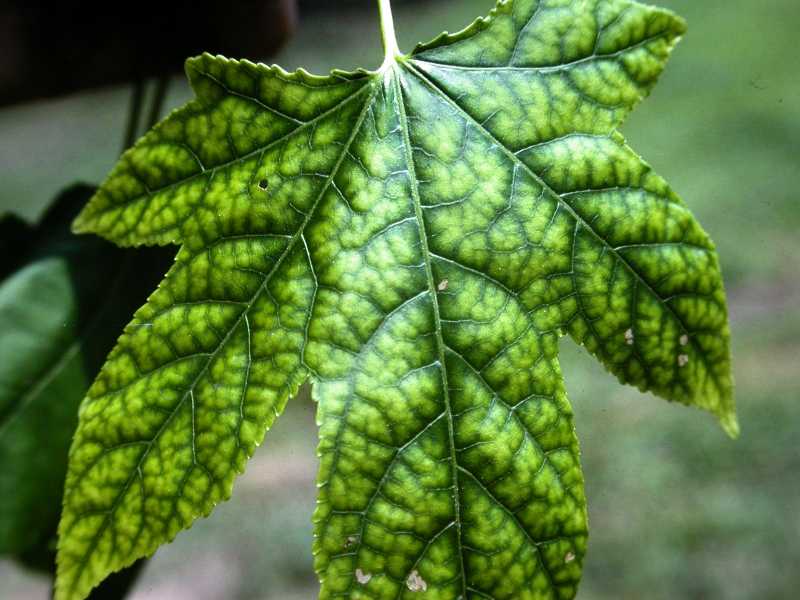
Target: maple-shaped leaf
[412,240]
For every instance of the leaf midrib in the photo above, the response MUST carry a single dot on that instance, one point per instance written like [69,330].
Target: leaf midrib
[434,295]
[442,349]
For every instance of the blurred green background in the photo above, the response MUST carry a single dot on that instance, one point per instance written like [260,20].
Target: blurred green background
[677,510]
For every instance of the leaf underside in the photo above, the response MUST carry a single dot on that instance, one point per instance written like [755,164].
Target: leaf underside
[414,241]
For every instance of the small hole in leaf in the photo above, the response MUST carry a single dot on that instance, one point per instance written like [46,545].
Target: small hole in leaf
[263,184]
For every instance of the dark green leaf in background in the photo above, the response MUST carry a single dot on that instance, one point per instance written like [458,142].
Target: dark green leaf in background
[14,238]
[63,300]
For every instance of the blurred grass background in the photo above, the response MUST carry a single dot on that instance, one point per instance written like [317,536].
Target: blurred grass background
[676,509]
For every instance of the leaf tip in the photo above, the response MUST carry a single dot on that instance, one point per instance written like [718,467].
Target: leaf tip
[730,424]
[679,25]
[89,219]
[81,223]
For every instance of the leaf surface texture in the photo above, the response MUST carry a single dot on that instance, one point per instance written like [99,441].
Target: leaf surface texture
[414,241]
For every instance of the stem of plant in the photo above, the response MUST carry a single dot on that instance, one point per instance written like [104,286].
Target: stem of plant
[390,48]
[134,112]
[157,102]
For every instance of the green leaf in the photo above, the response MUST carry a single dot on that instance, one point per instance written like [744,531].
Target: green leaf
[57,330]
[13,242]
[414,240]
